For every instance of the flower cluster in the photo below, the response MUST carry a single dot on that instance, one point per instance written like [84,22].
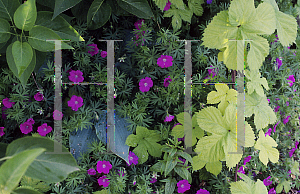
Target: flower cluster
[102,167]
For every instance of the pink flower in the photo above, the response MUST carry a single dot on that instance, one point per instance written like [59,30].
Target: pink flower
[1,131]
[138,24]
[292,152]
[268,100]
[267,182]
[26,127]
[43,130]
[57,115]
[268,132]
[247,159]
[202,191]
[241,170]
[276,109]
[94,50]
[30,121]
[133,159]
[279,63]
[91,171]
[76,76]
[75,102]
[167,81]
[296,144]
[103,54]
[145,84]
[169,118]
[287,103]
[103,166]
[38,96]
[165,61]
[168,5]
[153,180]
[272,191]
[6,102]
[286,119]
[275,126]
[103,181]
[183,186]
[291,80]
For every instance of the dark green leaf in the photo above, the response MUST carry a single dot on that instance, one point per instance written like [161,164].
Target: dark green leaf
[8,8]
[4,31]
[98,14]
[139,8]
[63,5]
[25,191]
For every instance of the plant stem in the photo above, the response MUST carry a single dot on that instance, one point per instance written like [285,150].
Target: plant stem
[5,158]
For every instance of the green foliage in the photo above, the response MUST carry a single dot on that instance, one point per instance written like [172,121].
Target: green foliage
[145,142]
[25,15]
[248,186]
[35,184]
[256,82]
[98,14]
[178,15]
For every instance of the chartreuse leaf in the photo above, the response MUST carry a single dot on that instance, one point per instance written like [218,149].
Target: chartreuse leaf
[256,82]
[223,95]
[295,168]
[179,15]
[286,28]
[25,15]
[104,191]
[98,14]
[145,142]
[259,106]
[178,3]
[195,6]
[59,25]
[4,30]
[248,186]
[14,168]
[22,54]
[178,130]
[38,37]
[21,190]
[223,139]
[265,144]
[63,5]
[51,167]
[161,4]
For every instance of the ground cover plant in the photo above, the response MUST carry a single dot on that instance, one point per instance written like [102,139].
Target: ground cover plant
[149,96]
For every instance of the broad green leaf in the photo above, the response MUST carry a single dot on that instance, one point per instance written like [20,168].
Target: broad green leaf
[40,59]
[170,166]
[198,163]
[256,82]
[241,12]
[59,25]
[35,183]
[140,8]
[185,155]
[8,8]
[157,167]
[184,173]
[265,145]
[49,4]
[53,167]
[161,4]
[259,106]
[3,147]
[178,15]
[287,186]
[98,14]
[248,186]
[279,188]
[295,168]
[21,190]
[22,54]
[224,95]
[25,15]
[4,31]
[273,3]
[178,3]
[170,186]
[145,142]
[13,169]
[286,28]
[195,6]
[224,135]
[214,167]
[38,36]
[63,5]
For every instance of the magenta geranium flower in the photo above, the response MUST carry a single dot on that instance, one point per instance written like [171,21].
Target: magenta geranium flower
[153,180]
[267,181]
[94,49]
[278,62]
[75,102]
[103,181]
[247,159]
[30,121]
[57,115]
[209,1]
[275,126]
[241,170]
[103,54]
[272,191]
[103,166]
[268,100]
[165,61]
[1,131]
[43,130]
[76,76]
[91,171]
[287,103]
[26,127]
[292,152]
[169,118]
[291,80]
[276,108]
[168,5]
[7,103]
[138,24]
[268,132]
[133,159]
[145,84]
[183,186]
[167,81]
[202,191]
[38,96]
[286,119]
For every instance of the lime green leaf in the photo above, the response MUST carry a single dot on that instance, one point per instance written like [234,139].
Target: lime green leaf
[22,54]
[214,167]
[178,3]
[145,142]
[287,186]
[35,184]
[279,188]
[4,30]
[139,8]
[53,167]
[295,168]
[259,106]
[63,5]
[13,169]
[8,8]
[161,4]
[256,82]
[196,7]
[198,163]
[265,145]
[25,15]
[273,3]
[25,191]
[59,25]
[38,36]
[104,191]
[223,95]
[248,186]
[98,14]
[286,28]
